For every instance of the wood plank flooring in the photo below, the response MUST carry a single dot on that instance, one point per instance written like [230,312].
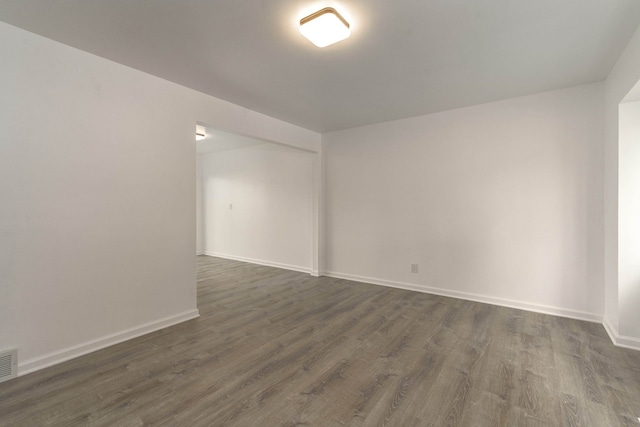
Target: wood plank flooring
[279,348]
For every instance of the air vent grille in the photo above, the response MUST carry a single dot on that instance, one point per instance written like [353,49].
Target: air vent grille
[8,364]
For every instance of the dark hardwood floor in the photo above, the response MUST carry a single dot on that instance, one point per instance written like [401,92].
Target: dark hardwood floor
[279,348]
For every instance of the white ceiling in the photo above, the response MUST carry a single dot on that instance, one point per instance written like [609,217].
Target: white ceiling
[217,140]
[404,58]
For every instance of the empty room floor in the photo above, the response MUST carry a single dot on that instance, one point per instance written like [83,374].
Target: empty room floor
[279,348]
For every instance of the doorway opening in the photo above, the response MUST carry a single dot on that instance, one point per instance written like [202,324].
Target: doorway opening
[628,291]
[254,200]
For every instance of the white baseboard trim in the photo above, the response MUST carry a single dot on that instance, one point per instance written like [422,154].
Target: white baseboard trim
[68,353]
[620,340]
[537,308]
[260,262]
[199,253]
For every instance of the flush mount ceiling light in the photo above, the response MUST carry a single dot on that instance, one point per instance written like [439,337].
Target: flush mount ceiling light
[325,27]
[199,136]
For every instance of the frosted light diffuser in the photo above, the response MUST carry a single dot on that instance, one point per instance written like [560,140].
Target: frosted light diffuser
[325,27]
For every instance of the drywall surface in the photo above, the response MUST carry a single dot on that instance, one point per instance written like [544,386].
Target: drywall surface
[500,202]
[623,78]
[97,190]
[199,208]
[258,205]
[629,220]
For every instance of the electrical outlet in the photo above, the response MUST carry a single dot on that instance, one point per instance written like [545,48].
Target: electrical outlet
[414,268]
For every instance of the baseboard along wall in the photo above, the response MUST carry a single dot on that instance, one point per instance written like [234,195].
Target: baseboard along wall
[620,340]
[262,262]
[53,358]
[537,308]
[63,355]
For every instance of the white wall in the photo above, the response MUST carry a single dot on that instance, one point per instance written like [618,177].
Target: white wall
[270,188]
[97,191]
[199,208]
[500,202]
[622,79]
[97,211]
[629,220]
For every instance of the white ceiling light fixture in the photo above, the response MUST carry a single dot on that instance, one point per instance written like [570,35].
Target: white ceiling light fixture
[325,27]
[200,136]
